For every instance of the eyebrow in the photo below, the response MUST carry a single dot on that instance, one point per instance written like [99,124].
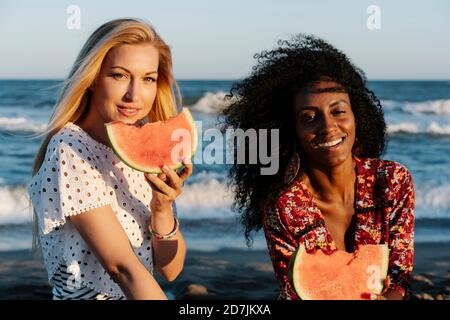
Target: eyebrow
[316,108]
[150,72]
[337,102]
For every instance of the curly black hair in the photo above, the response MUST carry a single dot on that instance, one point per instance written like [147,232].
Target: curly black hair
[264,100]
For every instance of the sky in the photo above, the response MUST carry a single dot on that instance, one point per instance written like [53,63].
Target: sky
[218,39]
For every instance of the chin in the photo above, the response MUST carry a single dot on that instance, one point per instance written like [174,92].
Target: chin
[337,161]
[331,161]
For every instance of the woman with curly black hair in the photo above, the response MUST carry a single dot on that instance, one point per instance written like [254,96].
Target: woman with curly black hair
[332,191]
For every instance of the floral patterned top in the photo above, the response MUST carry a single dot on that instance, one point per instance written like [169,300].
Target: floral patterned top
[384,214]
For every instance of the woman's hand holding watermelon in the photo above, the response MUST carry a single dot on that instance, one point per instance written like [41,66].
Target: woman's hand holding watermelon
[387,293]
[166,187]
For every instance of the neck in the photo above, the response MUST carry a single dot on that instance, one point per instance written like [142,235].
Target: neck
[95,128]
[331,183]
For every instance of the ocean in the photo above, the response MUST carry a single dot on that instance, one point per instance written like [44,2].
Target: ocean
[417,113]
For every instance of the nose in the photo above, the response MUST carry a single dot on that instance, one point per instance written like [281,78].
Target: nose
[133,91]
[328,124]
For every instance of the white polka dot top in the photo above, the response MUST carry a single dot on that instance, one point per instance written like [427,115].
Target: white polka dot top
[79,174]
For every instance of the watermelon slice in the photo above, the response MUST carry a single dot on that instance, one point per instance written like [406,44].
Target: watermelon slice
[149,147]
[339,275]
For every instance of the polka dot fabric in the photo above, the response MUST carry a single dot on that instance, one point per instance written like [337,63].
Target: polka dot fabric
[79,174]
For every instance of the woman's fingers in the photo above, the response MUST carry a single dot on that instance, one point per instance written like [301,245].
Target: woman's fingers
[162,176]
[159,185]
[173,177]
[187,171]
[169,182]
[179,178]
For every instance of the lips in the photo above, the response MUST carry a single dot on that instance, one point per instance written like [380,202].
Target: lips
[128,111]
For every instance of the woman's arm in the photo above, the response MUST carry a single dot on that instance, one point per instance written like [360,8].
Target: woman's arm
[401,236]
[168,254]
[105,236]
[281,247]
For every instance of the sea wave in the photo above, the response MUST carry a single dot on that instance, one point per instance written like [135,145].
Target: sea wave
[202,200]
[431,107]
[433,202]
[212,102]
[440,107]
[207,199]
[20,124]
[432,128]
[211,199]
[14,205]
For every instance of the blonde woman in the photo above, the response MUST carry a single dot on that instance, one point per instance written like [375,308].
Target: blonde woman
[102,226]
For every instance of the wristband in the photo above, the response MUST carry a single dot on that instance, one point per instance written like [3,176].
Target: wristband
[171,234]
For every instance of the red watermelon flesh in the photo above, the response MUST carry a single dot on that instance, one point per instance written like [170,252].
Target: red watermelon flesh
[340,275]
[149,147]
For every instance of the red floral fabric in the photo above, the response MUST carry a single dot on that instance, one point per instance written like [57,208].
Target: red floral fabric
[384,213]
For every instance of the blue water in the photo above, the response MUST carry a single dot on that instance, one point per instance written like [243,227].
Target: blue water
[417,113]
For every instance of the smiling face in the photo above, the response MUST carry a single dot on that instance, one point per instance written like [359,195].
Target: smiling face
[325,123]
[125,88]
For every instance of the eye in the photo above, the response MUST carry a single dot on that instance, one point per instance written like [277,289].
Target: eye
[119,76]
[150,79]
[308,117]
[338,111]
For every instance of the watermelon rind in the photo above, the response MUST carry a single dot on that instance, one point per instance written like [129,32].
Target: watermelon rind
[295,275]
[153,170]
[385,265]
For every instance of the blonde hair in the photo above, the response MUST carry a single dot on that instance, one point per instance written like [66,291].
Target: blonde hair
[73,101]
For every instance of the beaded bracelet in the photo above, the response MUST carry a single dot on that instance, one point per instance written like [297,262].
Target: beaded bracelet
[171,234]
